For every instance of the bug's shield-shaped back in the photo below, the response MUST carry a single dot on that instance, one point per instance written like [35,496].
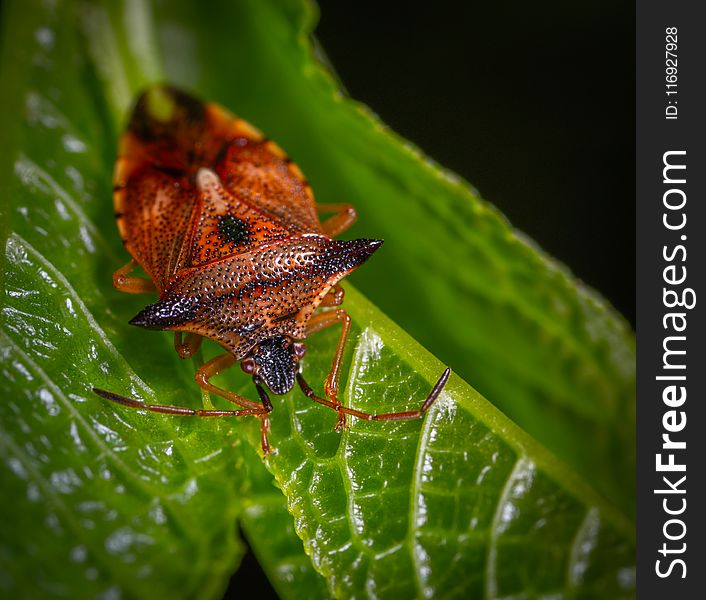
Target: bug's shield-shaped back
[243,299]
[194,183]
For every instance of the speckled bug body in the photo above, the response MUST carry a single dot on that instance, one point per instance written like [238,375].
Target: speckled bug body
[227,229]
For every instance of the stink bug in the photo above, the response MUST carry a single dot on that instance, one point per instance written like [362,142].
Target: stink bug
[227,229]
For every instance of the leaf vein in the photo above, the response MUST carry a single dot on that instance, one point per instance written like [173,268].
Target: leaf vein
[490,588]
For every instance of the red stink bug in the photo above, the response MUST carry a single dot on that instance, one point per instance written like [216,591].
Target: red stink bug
[227,229]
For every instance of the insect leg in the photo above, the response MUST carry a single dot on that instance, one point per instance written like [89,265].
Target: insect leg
[334,297]
[394,416]
[131,284]
[188,347]
[317,323]
[222,362]
[345,217]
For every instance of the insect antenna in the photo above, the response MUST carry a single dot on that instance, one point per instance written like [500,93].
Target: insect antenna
[177,410]
[264,419]
[117,398]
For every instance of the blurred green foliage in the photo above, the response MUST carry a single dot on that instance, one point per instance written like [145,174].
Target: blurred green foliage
[99,499]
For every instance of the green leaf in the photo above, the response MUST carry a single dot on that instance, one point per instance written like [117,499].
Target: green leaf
[103,500]
[463,504]
[136,506]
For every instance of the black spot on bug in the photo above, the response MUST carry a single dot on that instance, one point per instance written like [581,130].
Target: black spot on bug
[233,229]
[286,317]
[119,215]
[174,172]
[222,152]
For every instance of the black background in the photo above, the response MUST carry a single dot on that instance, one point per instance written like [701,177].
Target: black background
[532,103]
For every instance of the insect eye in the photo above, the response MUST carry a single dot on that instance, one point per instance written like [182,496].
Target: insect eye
[248,365]
[299,349]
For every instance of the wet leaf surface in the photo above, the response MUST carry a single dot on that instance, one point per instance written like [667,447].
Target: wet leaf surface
[99,500]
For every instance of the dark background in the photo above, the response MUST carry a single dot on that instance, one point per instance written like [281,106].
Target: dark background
[532,103]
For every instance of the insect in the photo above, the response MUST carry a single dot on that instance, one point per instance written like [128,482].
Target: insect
[227,229]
